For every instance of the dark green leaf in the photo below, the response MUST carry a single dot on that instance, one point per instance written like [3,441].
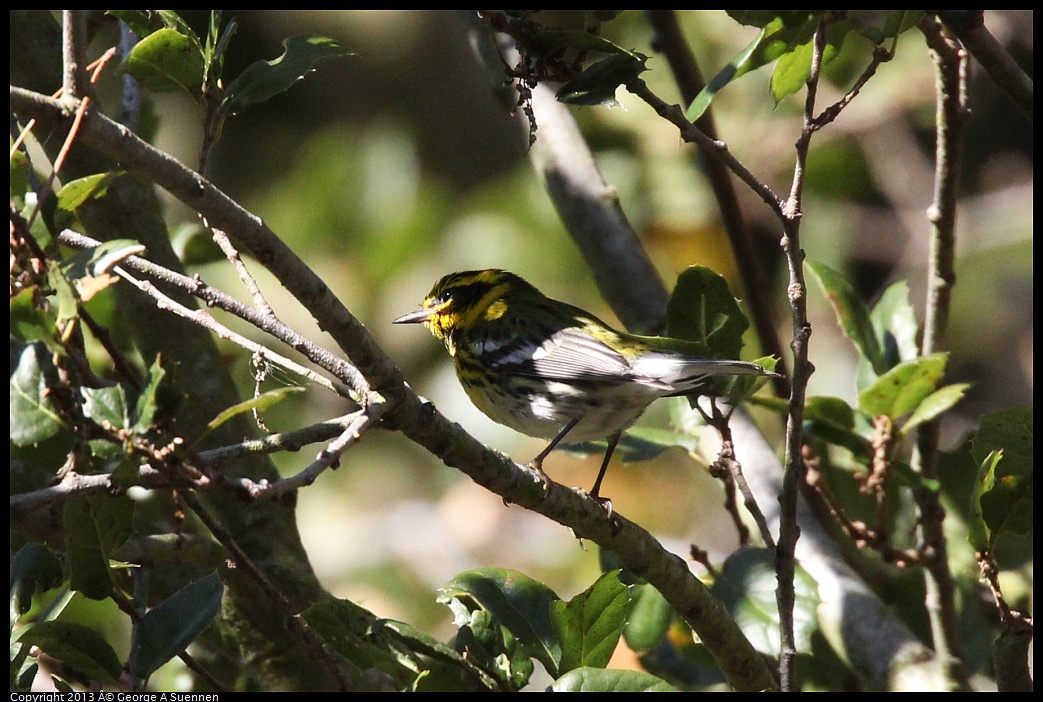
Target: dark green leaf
[598,82]
[550,39]
[28,321]
[851,313]
[902,389]
[145,22]
[703,311]
[95,527]
[747,588]
[33,569]
[1003,449]
[107,404]
[171,626]
[74,645]
[518,602]
[263,80]
[599,680]
[589,625]
[168,60]
[649,620]
[34,416]
[158,398]
[832,419]
[491,645]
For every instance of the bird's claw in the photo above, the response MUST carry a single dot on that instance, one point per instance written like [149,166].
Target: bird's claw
[541,477]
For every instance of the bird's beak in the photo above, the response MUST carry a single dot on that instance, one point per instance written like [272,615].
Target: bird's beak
[421,315]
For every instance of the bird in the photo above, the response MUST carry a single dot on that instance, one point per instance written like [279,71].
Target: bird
[549,369]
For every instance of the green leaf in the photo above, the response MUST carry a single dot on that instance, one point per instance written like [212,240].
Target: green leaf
[599,680]
[145,22]
[791,72]
[77,192]
[895,325]
[168,629]
[549,39]
[936,403]
[598,82]
[259,403]
[738,66]
[34,416]
[702,311]
[75,645]
[781,33]
[589,625]
[168,60]
[29,322]
[95,526]
[833,419]
[649,620]
[33,569]
[263,80]
[1003,498]
[158,398]
[518,602]
[747,588]
[902,389]
[851,313]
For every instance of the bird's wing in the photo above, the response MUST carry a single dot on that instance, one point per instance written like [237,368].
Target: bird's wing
[572,355]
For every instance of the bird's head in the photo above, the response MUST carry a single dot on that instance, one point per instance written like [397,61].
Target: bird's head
[467,300]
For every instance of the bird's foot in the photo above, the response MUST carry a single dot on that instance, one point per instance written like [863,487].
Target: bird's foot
[606,504]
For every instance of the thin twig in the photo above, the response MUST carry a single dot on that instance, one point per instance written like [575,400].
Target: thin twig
[215,298]
[789,530]
[969,27]
[951,65]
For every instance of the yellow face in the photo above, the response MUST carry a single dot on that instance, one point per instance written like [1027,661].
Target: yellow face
[459,300]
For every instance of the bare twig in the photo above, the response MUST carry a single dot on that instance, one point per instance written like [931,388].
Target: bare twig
[216,298]
[969,27]
[951,66]
[789,531]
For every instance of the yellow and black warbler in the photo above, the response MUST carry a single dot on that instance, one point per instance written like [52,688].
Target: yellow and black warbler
[548,369]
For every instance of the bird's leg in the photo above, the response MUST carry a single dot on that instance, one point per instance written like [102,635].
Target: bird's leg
[537,463]
[596,490]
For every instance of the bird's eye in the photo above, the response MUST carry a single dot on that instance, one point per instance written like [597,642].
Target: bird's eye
[443,297]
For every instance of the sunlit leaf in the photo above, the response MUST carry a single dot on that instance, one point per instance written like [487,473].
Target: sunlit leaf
[851,313]
[74,645]
[34,416]
[600,680]
[589,625]
[76,192]
[259,403]
[902,389]
[515,600]
[934,404]
[166,61]
[747,587]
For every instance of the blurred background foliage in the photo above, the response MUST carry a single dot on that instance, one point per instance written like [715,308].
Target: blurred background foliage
[390,168]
